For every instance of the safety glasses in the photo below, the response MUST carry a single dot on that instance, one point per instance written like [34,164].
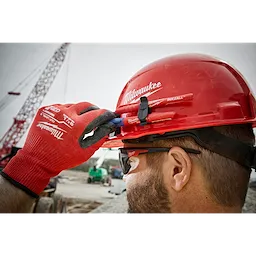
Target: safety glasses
[126,153]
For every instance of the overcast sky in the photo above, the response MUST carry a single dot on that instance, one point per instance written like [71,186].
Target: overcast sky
[98,72]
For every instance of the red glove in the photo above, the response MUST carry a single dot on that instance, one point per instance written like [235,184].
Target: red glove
[56,141]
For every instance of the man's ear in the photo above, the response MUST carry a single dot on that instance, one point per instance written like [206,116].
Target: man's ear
[179,168]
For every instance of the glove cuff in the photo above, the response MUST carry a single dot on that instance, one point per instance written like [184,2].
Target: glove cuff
[26,173]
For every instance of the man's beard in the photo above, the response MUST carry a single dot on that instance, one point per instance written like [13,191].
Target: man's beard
[149,197]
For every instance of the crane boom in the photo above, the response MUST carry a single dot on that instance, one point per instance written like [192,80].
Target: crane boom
[101,159]
[33,101]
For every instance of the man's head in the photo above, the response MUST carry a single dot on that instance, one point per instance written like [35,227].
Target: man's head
[183,103]
[177,181]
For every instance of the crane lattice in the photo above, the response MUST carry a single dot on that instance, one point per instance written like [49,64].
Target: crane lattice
[27,112]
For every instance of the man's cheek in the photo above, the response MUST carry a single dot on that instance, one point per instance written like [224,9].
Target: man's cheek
[134,163]
[129,178]
[133,181]
[136,179]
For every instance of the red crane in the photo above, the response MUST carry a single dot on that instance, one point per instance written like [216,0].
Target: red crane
[27,112]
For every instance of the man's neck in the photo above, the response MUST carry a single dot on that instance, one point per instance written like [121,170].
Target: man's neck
[205,209]
[201,205]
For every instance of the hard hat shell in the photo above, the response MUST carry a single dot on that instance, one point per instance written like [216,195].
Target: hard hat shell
[195,90]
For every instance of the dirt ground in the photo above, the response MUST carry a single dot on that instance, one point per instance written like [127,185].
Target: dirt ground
[82,197]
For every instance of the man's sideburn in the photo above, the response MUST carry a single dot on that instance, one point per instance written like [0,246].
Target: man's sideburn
[149,195]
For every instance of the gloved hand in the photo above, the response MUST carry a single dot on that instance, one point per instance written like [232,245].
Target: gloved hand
[57,141]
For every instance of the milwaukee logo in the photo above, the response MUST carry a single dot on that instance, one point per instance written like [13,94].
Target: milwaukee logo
[132,96]
[53,129]
[53,108]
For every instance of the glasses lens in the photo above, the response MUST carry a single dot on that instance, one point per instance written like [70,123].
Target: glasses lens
[123,159]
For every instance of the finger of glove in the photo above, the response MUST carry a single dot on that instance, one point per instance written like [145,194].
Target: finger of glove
[82,107]
[98,138]
[98,118]
[68,105]
[58,106]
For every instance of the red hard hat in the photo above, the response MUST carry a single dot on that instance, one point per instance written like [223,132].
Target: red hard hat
[182,92]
